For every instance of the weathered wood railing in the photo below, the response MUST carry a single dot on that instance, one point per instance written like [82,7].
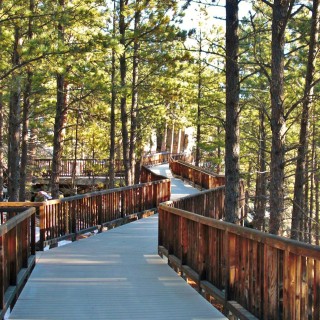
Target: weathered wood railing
[198,176]
[80,167]
[17,255]
[90,167]
[65,219]
[68,217]
[248,271]
[209,203]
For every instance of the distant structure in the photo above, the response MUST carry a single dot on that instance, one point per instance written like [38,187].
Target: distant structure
[172,140]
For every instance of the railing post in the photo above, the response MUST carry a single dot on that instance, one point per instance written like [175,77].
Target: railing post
[12,241]
[33,232]
[202,256]
[2,270]
[229,257]
[100,213]
[42,219]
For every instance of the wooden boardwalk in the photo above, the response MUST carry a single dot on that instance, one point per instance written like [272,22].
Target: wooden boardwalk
[113,275]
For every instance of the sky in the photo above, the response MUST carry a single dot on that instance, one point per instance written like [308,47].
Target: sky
[215,14]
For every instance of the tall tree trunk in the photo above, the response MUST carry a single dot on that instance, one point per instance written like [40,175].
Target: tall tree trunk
[59,125]
[305,208]
[24,142]
[32,148]
[14,125]
[134,98]
[123,100]
[60,117]
[219,153]
[1,134]
[113,107]
[312,186]
[25,120]
[75,155]
[317,220]
[280,15]
[232,113]
[198,135]
[261,184]
[303,139]
[164,137]
[1,149]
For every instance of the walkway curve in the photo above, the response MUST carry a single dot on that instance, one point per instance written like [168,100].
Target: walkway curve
[114,275]
[179,188]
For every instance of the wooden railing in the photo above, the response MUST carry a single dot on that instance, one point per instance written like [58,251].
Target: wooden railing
[17,255]
[251,273]
[96,167]
[208,203]
[80,167]
[198,176]
[164,157]
[68,217]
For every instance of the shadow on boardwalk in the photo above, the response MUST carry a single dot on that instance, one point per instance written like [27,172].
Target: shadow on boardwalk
[114,275]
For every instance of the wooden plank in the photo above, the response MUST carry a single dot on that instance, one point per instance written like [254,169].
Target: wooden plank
[297,247]
[94,278]
[316,290]
[286,286]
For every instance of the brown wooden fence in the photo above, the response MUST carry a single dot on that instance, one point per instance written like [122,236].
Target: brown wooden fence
[17,255]
[96,167]
[80,167]
[253,274]
[68,217]
[198,176]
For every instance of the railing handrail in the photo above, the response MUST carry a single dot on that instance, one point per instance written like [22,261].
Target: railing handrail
[14,221]
[17,251]
[199,169]
[275,241]
[64,218]
[84,167]
[102,192]
[251,273]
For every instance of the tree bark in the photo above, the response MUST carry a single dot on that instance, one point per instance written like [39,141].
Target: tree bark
[134,97]
[280,14]
[198,135]
[1,135]
[261,184]
[232,113]
[24,142]
[14,126]
[1,149]
[313,168]
[304,123]
[123,100]
[59,125]
[317,220]
[113,107]
[60,118]
[25,120]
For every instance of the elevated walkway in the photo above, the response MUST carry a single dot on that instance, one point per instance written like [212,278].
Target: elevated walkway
[113,275]
[179,188]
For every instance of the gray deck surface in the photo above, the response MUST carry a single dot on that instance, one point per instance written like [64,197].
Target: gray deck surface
[113,275]
[179,188]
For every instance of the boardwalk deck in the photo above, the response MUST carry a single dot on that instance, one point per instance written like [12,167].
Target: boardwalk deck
[179,188]
[114,275]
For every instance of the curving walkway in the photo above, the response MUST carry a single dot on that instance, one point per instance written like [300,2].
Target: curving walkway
[113,275]
[179,188]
